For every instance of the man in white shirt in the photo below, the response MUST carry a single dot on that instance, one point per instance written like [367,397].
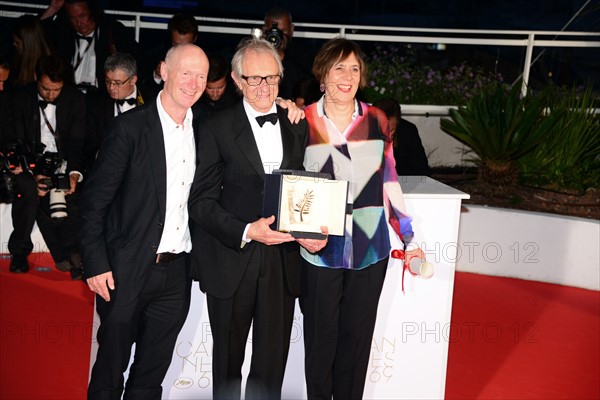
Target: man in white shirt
[51,113]
[87,38]
[134,236]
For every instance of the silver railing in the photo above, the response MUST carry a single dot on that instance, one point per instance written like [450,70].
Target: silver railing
[528,40]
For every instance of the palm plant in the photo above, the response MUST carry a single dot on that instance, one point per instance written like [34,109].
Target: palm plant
[500,127]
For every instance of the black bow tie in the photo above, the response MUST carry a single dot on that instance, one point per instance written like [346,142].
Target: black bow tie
[131,101]
[86,38]
[43,104]
[272,118]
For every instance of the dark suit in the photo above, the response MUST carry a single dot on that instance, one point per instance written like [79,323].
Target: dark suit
[61,238]
[111,37]
[101,110]
[227,194]
[123,214]
[409,152]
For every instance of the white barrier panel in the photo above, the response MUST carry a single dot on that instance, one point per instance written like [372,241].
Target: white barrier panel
[6,228]
[409,350]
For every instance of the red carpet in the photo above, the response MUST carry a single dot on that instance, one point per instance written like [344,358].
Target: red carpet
[45,333]
[510,339]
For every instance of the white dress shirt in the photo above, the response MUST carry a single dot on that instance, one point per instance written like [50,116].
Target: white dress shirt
[269,143]
[126,106]
[268,138]
[47,137]
[180,155]
[86,71]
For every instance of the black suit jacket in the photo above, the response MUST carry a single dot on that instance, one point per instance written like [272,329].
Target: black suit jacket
[101,110]
[70,122]
[123,204]
[227,194]
[111,37]
[409,152]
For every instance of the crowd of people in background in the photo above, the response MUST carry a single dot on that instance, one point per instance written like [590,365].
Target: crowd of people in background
[66,100]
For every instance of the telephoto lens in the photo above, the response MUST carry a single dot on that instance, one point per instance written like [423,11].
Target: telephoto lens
[58,204]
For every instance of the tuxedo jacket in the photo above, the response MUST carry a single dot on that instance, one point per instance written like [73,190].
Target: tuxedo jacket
[227,194]
[70,122]
[408,150]
[123,203]
[111,37]
[100,111]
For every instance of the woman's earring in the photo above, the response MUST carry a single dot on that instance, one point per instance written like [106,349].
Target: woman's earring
[322,88]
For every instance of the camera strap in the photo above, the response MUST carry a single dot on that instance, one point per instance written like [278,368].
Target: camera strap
[51,129]
[87,48]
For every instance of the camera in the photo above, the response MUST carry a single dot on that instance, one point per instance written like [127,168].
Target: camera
[46,164]
[13,155]
[7,181]
[274,36]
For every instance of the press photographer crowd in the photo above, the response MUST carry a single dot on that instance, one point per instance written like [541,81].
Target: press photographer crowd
[70,71]
[169,148]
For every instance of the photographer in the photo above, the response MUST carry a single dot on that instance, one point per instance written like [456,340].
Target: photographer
[278,30]
[50,121]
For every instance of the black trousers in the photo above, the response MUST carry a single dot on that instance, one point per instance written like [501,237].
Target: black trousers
[262,300]
[152,321]
[340,309]
[60,235]
[23,213]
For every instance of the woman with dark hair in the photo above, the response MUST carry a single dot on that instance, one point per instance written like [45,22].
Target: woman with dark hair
[31,43]
[342,282]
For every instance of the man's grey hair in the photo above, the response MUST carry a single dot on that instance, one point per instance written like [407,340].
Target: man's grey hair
[257,45]
[122,61]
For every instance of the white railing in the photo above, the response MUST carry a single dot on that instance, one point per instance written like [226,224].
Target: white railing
[516,38]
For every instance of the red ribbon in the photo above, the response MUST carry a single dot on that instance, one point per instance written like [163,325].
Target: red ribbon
[401,255]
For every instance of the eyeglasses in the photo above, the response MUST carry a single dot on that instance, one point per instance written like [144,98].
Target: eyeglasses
[257,80]
[118,84]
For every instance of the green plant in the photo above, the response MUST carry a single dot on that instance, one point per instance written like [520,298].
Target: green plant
[500,127]
[400,76]
[569,156]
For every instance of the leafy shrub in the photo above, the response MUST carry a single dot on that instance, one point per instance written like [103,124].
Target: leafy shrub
[392,74]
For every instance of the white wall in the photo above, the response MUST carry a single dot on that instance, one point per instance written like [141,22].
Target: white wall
[6,229]
[527,245]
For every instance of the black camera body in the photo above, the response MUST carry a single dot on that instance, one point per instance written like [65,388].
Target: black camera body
[13,155]
[46,164]
[7,181]
[274,36]
[57,181]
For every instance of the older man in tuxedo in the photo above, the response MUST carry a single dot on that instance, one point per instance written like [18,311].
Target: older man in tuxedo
[85,36]
[135,236]
[250,273]
[123,93]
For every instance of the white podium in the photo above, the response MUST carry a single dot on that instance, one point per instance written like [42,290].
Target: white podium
[410,345]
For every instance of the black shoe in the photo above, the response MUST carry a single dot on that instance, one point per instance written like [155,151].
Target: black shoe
[76,274]
[76,260]
[64,265]
[19,265]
